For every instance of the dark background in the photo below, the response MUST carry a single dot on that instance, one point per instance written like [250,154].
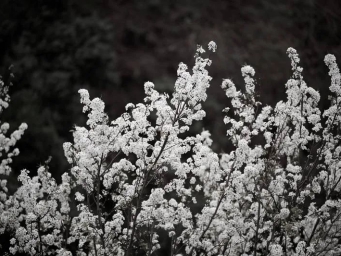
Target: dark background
[112,47]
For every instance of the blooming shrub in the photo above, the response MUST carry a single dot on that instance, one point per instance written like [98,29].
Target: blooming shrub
[7,152]
[140,185]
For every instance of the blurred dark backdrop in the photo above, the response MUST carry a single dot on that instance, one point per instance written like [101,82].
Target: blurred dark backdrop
[113,47]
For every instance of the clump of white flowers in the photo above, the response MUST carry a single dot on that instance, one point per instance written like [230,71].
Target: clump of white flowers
[7,151]
[139,185]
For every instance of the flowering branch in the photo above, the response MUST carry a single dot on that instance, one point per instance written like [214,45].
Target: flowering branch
[140,184]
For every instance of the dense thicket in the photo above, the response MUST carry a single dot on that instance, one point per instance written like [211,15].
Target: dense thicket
[142,185]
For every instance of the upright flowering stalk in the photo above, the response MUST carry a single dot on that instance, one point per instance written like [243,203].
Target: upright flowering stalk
[39,214]
[7,152]
[122,201]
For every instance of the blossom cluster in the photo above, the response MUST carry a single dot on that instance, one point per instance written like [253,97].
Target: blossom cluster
[7,149]
[141,185]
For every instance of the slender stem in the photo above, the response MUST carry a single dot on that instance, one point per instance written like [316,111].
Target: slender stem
[313,232]
[98,205]
[94,241]
[257,230]
[150,244]
[40,240]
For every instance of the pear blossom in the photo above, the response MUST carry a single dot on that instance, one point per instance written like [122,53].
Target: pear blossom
[137,184]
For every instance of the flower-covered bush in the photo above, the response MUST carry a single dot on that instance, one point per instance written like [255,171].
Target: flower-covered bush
[7,152]
[140,185]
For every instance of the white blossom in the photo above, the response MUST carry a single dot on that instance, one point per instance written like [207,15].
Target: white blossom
[138,183]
